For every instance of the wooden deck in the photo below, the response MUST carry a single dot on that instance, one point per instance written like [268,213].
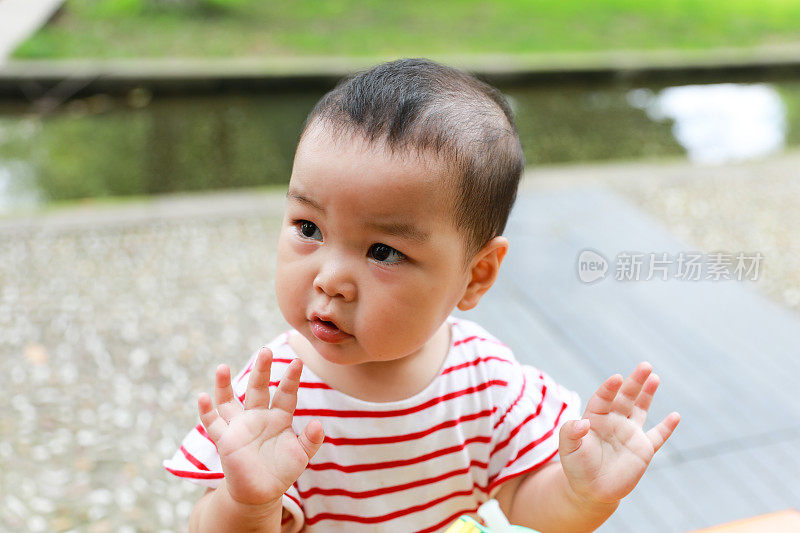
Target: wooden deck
[729,359]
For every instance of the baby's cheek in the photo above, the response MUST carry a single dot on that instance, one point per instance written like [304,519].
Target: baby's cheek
[281,289]
[288,289]
[416,293]
[384,279]
[404,311]
[302,248]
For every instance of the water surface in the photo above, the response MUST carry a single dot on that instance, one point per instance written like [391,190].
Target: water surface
[104,146]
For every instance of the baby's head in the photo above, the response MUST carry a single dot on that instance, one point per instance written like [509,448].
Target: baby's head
[418,108]
[402,184]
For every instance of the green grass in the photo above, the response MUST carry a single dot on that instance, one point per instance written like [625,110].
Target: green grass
[266,28]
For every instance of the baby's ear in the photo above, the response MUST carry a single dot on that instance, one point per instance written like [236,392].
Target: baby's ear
[483,271]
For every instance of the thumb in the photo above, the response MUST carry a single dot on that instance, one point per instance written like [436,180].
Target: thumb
[312,438]
[570,435]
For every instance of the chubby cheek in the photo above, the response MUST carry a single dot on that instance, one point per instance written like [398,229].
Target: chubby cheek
[289,285]
[403,319]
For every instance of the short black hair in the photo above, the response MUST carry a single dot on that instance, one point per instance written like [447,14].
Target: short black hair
[425,106]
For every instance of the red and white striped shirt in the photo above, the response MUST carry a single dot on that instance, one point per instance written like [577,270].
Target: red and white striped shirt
[414,464]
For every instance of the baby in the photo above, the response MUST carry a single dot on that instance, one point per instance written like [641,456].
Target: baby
[402,183]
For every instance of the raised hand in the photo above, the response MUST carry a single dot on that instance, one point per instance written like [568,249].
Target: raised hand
[260,454]
[606,453]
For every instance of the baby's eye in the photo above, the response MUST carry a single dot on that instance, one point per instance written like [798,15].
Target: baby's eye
[308,229]
[385,254]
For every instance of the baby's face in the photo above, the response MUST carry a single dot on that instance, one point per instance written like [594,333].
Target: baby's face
[369,261]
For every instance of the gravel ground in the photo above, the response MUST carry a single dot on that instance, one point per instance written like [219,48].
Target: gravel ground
[106,336]
[113,319]
[745,207]
[744,210]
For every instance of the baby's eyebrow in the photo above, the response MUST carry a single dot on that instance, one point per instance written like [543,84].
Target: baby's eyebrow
[400,229]
[293,194]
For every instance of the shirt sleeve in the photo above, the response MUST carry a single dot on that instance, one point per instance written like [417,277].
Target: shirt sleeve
[197,459]
[526,434]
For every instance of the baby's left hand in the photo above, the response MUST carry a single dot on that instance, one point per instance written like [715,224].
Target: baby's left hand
[606,453]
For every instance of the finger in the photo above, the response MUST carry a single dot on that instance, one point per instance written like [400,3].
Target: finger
[602,400]
[227,405]
[285,397]
[642,405]
[214,424]
[312,437]
[623,403]
[571,434]
[257,394]
[659,434]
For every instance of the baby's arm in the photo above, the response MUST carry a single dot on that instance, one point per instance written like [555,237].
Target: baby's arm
[603,457]
[543,501]
[260,454]
[216,511]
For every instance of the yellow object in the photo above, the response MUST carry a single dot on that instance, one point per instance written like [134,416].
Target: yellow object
[492,516]
[463,525]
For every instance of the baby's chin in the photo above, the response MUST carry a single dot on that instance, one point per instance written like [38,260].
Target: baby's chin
[308,346]
[349,354]
[333,353]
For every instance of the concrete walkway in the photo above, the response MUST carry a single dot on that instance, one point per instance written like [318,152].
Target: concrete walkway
[19,19]
[210,75]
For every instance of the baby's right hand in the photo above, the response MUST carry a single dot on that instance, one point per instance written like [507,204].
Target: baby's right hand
[260,454]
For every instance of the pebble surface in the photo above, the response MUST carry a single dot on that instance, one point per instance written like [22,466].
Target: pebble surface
[108,332]
[748,207]
[106,338]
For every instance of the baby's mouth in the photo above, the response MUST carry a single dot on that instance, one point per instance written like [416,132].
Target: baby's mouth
[327,331]
[329,323]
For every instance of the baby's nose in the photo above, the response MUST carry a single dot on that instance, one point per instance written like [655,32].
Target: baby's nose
[334,280]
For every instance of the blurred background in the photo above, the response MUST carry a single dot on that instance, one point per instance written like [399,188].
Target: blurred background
[145,147]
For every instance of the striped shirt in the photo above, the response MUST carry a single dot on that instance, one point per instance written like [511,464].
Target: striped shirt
[415,464]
